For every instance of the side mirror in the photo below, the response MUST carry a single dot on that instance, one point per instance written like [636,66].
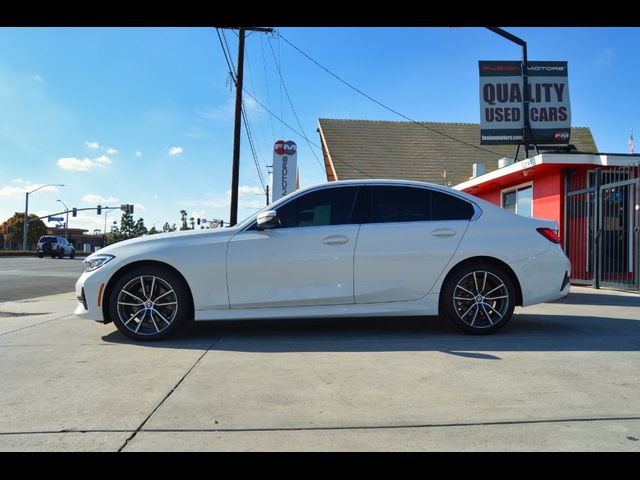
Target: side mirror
[268,219]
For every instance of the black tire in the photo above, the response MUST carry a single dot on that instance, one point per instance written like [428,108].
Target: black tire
[149,321]
[72,254]
[40,254]
[61,254]
[479,299]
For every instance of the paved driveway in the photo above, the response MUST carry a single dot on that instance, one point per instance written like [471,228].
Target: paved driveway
[561,376]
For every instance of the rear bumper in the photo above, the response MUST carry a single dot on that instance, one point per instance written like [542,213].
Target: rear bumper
[545,277]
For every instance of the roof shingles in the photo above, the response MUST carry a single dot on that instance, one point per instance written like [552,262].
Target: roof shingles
[405,150]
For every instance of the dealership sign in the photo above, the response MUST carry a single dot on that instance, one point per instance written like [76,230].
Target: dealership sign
[285,169]
[502,103]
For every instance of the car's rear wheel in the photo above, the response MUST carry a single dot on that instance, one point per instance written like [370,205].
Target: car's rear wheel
[479,299]
[149,303]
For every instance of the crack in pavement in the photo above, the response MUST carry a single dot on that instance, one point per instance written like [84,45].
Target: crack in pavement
[144,422]
[334,428]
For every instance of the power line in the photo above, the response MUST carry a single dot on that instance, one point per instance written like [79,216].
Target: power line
[266,82]
[382,104]
[334,158]
[227,55]
[245,119]
[295,114]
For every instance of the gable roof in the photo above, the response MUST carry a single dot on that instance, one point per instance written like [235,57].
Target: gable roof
[356,149]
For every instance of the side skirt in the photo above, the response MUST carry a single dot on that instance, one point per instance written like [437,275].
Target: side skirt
[427,305]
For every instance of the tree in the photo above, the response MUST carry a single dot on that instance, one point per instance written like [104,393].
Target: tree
[183,218]
[139,229]
[153,230]
[127,226]
[15,226]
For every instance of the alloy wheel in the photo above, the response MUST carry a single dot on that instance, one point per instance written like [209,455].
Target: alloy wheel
[481,299]
[147,305]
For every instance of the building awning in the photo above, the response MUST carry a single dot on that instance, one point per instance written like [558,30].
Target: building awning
[542,162]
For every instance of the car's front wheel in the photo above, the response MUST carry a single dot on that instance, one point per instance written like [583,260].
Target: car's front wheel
[149,303]
[479,298]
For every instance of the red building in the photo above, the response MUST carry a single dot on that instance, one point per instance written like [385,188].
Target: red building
[593,197]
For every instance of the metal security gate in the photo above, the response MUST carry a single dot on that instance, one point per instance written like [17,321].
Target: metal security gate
[601,230]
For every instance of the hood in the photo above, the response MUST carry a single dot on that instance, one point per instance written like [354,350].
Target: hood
[166,237]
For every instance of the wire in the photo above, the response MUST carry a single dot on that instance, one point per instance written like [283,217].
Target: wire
[382,104]
[334,158]
[253,87]
[226,57]
[295,114]
[245,119]
[266,82]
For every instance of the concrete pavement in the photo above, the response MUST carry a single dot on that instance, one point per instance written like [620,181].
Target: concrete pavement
[561,376]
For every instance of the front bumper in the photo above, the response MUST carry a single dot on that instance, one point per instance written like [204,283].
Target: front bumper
[90,289]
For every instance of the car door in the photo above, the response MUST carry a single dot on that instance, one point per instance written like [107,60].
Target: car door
[306,261]
[408,236]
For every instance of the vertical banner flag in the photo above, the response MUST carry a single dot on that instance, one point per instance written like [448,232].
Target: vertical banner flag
[285,169]
[502,107]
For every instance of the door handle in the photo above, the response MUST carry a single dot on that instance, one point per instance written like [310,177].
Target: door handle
[335,240]
[443,232]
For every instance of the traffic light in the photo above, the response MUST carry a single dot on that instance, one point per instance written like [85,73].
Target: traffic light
[75,212]
[99,209]
[198,221]
[127,208]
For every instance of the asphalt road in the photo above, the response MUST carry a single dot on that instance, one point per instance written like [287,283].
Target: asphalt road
[28,277]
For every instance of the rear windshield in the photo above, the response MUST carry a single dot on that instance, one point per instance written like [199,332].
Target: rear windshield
[48,239]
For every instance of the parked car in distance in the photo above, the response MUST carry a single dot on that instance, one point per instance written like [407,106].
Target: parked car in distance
[342,249]
[55,246]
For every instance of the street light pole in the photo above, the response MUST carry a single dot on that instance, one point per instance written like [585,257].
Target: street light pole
[526,131]
[66,224]
[25,230]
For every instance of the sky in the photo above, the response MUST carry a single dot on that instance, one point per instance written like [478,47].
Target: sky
[145,115]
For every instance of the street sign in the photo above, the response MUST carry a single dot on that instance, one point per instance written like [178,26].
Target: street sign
[56,219]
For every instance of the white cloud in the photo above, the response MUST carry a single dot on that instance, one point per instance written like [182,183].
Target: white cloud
[112,151]
[92,145]
[245,189]
[93,198]
[173,151]
[18,192]
[84,164]
[138,153]
[76,164]
[17,180]
[198,213]
[37,78]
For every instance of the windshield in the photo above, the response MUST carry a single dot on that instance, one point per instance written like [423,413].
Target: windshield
[48,239]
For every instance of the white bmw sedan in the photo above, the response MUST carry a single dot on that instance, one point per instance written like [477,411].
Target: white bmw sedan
[352,248]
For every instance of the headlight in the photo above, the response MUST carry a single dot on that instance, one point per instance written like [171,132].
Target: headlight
[95,262]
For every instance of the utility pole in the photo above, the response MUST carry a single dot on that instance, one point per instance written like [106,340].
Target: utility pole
[267,193]
[235,171]
[526,131]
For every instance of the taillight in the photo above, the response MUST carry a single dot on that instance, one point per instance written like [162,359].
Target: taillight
[549,234]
